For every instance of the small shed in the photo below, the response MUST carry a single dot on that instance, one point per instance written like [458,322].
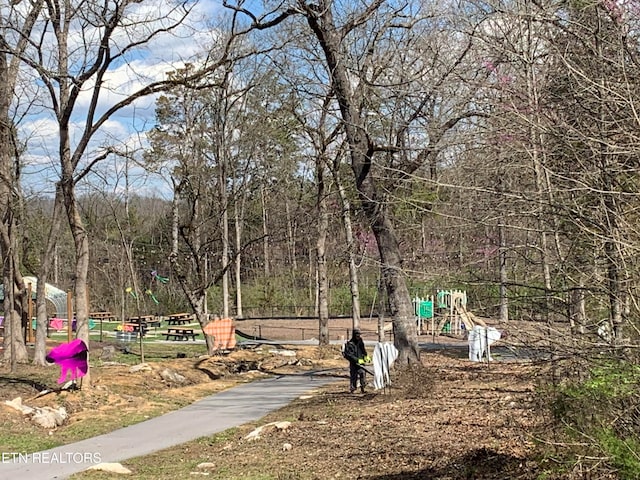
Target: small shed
[56,296]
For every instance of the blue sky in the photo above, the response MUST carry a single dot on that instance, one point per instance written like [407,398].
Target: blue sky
[125,129]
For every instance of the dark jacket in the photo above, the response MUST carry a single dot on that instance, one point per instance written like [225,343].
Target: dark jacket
[354,350]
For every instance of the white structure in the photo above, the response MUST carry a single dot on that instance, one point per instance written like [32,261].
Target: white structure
[54,295]
[384,355]
[480,341]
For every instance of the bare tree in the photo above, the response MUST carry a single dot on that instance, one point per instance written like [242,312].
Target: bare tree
[72,73]
[203,136]
[15,30]
[354,70]
[595,146]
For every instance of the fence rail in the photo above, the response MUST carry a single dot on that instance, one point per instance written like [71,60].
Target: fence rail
[305,328]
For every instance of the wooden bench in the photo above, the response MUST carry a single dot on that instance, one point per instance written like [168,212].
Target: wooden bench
[180,334]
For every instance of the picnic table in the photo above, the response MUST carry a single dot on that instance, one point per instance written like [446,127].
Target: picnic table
[108,316]
[148,320]
[180,334]
[179,318]
[140,319]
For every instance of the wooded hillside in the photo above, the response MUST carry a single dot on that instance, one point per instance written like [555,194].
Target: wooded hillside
[328,158]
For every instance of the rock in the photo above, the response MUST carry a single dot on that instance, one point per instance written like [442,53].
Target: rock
[48,417]
[206,465]
[283,353]
[16,404]
[171,376]
[286,447]
[281,425]
[108,353]
[141,367]
[255,434]
[110,467]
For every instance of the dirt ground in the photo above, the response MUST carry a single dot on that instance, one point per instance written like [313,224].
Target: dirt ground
[446,419]
[450,419]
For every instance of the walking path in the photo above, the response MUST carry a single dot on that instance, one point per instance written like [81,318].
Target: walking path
[216,413]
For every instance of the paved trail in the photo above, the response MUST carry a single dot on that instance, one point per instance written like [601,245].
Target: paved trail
[216,413]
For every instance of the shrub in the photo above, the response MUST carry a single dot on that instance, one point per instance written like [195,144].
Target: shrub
[596,410]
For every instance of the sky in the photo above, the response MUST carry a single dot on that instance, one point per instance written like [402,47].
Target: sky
[125,129]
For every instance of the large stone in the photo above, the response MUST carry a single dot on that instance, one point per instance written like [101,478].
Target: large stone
[141,367]
[108,353]
[171,376]
[48,417]
[111,468]
[256,434]
[283,353]
[16,404]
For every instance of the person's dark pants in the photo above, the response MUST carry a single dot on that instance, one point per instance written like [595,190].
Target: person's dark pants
[356,373]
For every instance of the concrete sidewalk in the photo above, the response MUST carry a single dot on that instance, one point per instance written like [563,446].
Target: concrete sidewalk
[216,413]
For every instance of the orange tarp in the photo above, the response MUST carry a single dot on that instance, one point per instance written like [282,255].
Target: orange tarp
[224,333]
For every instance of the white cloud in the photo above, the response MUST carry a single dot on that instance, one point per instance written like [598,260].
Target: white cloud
[137,68]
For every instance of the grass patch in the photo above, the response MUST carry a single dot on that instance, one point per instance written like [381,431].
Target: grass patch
[622,452]
[181,461]
[26,442]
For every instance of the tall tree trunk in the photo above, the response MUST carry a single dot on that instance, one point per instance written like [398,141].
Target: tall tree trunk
[265,232]
[321,22]
[81,245]
[504,277]
[195,296]
[400,307]
[43,277]
[14,346]
[225,237]
[543,187]
[238,257]
[10,190]
[614,257]
[321,256]
[291,238]
[354,283]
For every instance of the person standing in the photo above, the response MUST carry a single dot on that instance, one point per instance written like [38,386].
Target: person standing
[356,353]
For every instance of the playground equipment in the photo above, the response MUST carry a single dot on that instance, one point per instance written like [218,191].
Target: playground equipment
[423,308]
[446,313]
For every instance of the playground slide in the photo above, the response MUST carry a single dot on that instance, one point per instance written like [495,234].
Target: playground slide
[468,318]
